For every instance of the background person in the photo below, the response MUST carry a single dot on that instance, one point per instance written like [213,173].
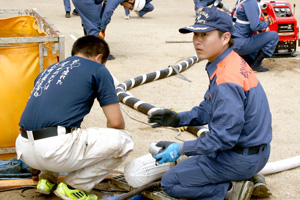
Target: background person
[253,48]
[51,139]
[236,109]
[90,12]
[67,5]
[141,7]
[127,13]
[200,4]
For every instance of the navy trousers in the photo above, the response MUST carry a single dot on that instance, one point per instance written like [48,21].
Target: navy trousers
[148,8]
[208,177]
[90,15]
[67,5]
[265,41]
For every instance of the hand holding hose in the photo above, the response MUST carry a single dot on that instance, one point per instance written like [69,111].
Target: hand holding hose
[170,154]
[164,117]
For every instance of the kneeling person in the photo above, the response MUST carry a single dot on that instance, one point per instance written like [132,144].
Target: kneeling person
[236,109]
[51,138]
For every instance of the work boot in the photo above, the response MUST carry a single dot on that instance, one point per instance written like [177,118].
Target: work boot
[260,188]
[256,63]
[44,186]
[64,192]
[260,69]
[240,190]
[68,15]
[75,12]
[111,57]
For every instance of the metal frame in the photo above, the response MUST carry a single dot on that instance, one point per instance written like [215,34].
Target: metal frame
[54,35]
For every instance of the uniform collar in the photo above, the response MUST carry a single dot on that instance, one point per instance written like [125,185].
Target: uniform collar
[211,67]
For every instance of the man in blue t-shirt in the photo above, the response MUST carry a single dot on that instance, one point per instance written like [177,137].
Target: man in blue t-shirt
[51,138]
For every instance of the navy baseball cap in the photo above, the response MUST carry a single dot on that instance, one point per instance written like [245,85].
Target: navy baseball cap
[210,19]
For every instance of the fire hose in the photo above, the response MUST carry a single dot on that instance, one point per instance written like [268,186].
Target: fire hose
[147,108]
[138,190]
[139,105]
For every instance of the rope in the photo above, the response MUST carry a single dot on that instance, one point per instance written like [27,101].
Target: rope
[182,76]
[178,129]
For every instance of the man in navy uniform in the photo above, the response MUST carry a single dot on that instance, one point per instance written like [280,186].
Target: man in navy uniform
[236,109]
[253,48]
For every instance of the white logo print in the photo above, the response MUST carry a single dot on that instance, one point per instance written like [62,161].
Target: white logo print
[60,69]
[173,154]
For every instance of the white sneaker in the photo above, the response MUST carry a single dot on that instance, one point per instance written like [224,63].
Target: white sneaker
[240,190]
[127,17]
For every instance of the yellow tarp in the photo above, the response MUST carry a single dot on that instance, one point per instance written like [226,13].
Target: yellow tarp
[19,66]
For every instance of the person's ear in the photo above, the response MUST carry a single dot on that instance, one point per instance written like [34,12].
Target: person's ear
[98,58]
[226,37]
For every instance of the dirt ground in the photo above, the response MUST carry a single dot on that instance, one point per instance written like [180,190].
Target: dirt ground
[139,45]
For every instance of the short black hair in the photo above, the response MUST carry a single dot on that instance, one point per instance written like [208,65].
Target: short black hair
[91,45]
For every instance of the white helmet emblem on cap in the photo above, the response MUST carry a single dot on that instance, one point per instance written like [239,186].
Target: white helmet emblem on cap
[139,5]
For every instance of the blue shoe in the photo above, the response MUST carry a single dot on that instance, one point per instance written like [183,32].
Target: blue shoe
[111,57]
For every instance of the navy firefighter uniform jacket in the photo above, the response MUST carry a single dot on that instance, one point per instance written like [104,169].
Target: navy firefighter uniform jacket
[247,22]
[235,107]
[248,19]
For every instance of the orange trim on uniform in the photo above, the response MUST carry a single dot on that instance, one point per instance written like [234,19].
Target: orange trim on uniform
[234,69]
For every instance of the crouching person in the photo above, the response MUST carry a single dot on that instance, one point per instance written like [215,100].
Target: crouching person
[253,48]
[51,139]
[236,109]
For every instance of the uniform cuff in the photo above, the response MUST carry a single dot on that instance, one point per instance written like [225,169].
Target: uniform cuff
[180,148]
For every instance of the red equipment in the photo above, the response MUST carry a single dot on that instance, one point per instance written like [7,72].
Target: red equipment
[285,24]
